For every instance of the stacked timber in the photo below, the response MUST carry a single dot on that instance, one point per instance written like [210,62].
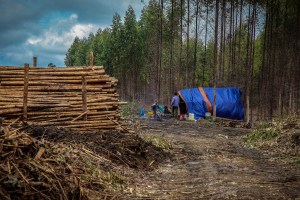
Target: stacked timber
[82,98]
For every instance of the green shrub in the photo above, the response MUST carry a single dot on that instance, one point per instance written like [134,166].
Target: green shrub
[297,161]
[158,141]
[262,134]
[130,110]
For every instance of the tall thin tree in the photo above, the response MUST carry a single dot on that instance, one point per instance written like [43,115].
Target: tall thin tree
[216,58]
[205,45]
[187,45]
[196,44]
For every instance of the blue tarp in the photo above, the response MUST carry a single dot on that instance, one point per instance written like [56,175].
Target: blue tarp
[229,102]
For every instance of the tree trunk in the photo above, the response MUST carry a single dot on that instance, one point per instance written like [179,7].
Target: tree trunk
[216,59]
[180,48]
[195,50]
[252,59]
[240,72]
[248,70]
[205,45]
[262,83]
[221,65]
[224,43]
[187,46]
[230,46]
[233,70]
[171,76]
[160,49]
[271,66]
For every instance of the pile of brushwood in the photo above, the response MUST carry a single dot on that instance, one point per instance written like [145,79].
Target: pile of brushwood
[39,162]
[280,137]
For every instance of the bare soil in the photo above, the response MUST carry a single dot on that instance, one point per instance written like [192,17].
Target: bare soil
[210,162]
[205,161]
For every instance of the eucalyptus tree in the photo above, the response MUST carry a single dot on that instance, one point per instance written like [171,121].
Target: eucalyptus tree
[149,30]
[116,50]
[70,55]
[131,52]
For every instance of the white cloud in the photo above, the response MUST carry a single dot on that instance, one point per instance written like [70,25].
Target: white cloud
[57,38]
[82,30]
[46,29]
[33,40]
[62,34]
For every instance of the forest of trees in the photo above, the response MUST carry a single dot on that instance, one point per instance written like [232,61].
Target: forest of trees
[177,44]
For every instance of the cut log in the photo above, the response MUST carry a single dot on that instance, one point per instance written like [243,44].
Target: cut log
[60,96]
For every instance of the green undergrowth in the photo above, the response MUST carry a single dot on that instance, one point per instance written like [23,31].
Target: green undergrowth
[267,133]
[270,130]
[130,110]
[296,161]
[158,141]
[279,138]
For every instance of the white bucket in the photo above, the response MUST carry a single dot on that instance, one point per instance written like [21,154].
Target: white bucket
[191,116]
[207,115]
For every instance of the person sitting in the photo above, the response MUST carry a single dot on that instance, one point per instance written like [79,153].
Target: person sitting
[157,111]
[166,110]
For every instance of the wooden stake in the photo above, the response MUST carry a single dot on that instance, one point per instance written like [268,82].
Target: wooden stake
[91,58]
[34,61]
[25,92]
[84,100]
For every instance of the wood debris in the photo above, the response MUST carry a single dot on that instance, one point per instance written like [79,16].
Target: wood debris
[38,162]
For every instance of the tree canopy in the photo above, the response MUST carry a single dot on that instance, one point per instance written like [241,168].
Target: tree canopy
[187,43]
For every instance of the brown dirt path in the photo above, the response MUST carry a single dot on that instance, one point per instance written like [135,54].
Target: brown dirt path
[213,163]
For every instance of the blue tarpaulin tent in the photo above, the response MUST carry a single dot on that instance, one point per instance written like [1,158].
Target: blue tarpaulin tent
[201,100]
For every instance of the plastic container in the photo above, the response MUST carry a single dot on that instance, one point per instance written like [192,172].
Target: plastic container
[207,115]
[151,114]
[191,116]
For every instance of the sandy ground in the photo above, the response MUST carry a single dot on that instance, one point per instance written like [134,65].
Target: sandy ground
[210,162]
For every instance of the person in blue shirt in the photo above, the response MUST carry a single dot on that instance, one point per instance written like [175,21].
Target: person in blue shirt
[175,103]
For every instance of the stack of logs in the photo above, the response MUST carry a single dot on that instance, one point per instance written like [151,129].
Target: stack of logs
[82,98]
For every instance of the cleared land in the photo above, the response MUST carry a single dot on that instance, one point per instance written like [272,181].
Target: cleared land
[212,162]
[196,161]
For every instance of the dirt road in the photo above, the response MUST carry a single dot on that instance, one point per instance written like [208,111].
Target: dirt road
[214,163]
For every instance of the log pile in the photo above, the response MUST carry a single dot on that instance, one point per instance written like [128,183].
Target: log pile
[82,98]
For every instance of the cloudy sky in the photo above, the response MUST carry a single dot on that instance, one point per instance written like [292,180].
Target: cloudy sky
[47,28]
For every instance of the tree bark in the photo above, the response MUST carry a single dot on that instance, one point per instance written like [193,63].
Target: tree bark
[196,46]
[221,65]
[187,46]
[216,59]
[180,48]
[171,68]
[248,70]
[205,45]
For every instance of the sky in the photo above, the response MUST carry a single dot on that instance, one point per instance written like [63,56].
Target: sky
[47,28]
